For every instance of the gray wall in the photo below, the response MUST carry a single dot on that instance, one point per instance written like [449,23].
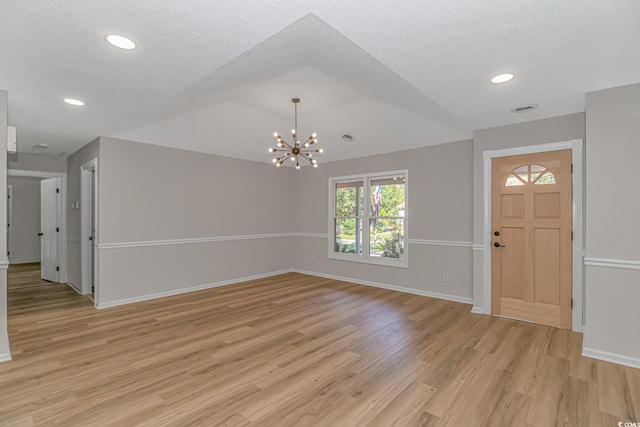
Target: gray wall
[613,223]
[556,129]
[36,162]
[440,205]
[73,164]
[4,262]
[25,226]
[151,199]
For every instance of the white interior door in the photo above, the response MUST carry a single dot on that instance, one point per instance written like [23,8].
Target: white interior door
[49,229]
[9,219]
[88,200]
[92,238]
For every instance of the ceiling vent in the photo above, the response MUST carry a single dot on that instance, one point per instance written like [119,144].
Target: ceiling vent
[348,138]
[524,108]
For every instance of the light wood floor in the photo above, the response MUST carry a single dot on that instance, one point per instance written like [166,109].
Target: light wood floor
[24,275]
[295,350]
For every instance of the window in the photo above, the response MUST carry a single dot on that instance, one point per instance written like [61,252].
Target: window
[368,218]
[538,175]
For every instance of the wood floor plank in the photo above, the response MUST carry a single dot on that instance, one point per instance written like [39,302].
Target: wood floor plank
[633,379]
[294,350]
[546,400]
[615,397]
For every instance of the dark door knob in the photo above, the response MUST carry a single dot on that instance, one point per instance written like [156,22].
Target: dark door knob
[39,234]
[498,245]
[496,233]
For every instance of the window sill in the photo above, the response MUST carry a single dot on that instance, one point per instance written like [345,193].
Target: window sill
[384,262]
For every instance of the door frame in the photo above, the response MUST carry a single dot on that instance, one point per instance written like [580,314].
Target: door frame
[577,285]
[62,213]
[85,228]
[9,220]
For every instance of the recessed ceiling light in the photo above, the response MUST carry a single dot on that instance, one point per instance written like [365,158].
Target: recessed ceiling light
[524,108]
[121,41]
[502,78]
[41,145]
[74,102]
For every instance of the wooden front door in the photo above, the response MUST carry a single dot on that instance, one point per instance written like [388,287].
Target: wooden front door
[531,237]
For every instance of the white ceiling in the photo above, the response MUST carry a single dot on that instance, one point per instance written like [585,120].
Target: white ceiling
[217,77]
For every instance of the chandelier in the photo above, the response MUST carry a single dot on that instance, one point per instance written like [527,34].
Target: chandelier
[296,150]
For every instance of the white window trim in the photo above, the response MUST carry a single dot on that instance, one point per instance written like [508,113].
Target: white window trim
[365,258]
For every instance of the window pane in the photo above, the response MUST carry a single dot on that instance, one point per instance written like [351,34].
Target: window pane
[347,240]
[387,196]
[386,237]
[545,179]
[513,181]
[536,170]
[349,198]
[523,172]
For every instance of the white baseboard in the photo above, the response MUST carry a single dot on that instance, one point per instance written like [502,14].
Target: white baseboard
[5,350]
[23,261]
[477,310]
[430,294]
[632,362]
[148,297]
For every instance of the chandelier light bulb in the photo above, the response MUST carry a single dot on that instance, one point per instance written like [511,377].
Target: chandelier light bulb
[275,160]
[276,134]
[297,165]
[315,165]
[293,158]
[293,131]
[313,135]
[306,145]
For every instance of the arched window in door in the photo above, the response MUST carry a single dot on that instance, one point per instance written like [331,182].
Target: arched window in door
[530,174]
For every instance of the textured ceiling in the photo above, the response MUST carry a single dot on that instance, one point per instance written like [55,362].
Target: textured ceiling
[218,76]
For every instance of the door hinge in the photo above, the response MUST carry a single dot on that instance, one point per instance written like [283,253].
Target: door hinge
[572,236]
[571,167]
[571,302]
[57,190]
[57,229]
[57,268]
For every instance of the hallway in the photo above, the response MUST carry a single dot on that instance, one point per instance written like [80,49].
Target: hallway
[28,293]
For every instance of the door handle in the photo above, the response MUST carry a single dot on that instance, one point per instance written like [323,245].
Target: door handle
[498,245]
[40,234]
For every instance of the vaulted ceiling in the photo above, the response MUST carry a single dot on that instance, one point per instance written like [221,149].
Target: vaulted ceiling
[218,77]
